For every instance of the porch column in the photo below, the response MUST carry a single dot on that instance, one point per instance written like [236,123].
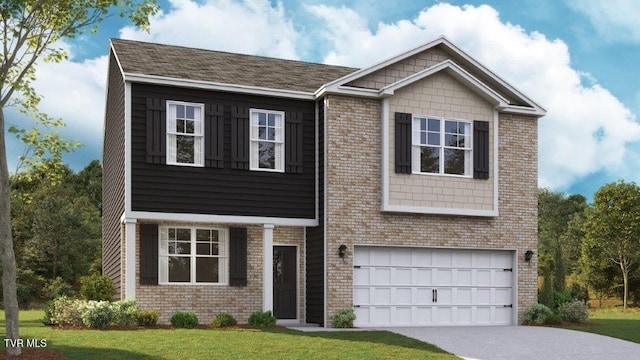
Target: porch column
[267,273]
[130,261]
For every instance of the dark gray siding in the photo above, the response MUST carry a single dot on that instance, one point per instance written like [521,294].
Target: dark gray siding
[113,175]
[315,240]
[225,191]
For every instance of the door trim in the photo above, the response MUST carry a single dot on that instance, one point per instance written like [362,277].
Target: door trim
[298,287]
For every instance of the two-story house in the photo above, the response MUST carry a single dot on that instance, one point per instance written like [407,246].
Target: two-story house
[236,183]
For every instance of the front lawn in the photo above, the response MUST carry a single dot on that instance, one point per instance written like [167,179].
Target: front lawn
[223,344]
[616,323]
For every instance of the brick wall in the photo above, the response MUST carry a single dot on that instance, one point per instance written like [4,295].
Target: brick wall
[353,215]
[209,300]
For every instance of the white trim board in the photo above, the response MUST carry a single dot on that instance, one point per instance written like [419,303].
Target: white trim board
[233,219]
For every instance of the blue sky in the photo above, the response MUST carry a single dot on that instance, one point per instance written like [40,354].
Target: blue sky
[577,58]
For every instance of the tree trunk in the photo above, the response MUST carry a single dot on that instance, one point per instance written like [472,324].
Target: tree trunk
[625,280]
[9,291]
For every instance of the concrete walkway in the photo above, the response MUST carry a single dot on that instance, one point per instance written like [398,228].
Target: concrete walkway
[522,343]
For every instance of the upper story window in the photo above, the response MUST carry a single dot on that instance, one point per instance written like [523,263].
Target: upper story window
[192,255]
[267,140]
[441,146]
[185,133]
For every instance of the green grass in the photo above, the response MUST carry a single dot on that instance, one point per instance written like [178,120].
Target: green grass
[616,323]
[224,344]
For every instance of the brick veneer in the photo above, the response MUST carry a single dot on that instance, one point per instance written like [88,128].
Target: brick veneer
[209,300]
[353,185]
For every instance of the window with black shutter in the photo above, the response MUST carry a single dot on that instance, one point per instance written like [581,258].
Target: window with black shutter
[293,142]
[238,257]
[214,136]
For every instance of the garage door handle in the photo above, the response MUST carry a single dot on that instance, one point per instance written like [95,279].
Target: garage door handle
[434,295]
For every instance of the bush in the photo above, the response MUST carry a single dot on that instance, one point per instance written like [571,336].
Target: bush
[57,288]
[344,318]
[97,314]
[29,287]
[46,319]
[184,319]
[97,287]
[262,319]
[553,319]
[579,292]
[537,314]
[65,311]
[223,320]
[560,298]
[147,317]
[125,312]
[574,311]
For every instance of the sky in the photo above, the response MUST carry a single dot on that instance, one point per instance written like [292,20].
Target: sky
[576,58]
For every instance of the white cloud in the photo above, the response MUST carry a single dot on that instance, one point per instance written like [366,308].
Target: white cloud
[248,26]
[614,20]
[586,128]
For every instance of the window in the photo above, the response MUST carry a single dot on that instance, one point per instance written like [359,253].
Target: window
[193,255]
[267,140]
[441,146]
[185,129]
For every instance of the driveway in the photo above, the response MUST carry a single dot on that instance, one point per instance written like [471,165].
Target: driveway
[522,343]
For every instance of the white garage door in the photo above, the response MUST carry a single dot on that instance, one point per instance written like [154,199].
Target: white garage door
[419,286]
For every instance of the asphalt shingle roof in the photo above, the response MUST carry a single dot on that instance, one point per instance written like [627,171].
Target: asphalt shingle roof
[215,66]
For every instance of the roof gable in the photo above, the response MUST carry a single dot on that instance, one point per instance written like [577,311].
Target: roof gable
[433,55]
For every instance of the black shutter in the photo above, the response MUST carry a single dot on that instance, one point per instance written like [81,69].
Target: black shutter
[293,142]
[156,131]
[403,143]
[480,149]
[148,254]
[238,257]
[214,136]
[239,138]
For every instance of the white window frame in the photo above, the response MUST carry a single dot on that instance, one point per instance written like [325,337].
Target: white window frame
[254,140]
[163,256]
[198,134]
[416,146]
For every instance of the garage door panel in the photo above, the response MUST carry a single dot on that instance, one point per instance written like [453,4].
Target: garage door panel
[425,286]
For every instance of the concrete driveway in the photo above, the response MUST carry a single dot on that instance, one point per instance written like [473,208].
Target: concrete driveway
[522,343]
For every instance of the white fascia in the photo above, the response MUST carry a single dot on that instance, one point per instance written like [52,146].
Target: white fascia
[231,219]
[209,85]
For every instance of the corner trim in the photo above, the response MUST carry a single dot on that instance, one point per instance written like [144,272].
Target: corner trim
[385,154]
[127,149]
[187,217]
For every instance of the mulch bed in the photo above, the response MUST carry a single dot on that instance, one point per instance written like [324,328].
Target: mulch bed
[34,354]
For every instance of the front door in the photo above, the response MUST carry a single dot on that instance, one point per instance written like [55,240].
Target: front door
[285,279]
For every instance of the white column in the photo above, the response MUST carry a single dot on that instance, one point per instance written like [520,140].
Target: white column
[267,241]
[130,261]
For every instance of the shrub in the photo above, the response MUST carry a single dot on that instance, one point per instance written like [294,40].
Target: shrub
[125,312]
[65,311]
[560,298]
[29,287]
[223,320]
[97,287]
[579,292]
[262,319]
[344,318]
[574,311]
[184,319]
[147,317]
[537,314]
[58,287]
[98,314]
[553,319]
[46,319]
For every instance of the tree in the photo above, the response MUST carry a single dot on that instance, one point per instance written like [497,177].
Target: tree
[29,31]
[612,229]
[556,239]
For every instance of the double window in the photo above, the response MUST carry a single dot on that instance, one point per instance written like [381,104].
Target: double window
[193,255]
[441,146]
[185,133]
[267,140]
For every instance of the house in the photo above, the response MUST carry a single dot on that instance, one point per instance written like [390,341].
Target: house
[405,190]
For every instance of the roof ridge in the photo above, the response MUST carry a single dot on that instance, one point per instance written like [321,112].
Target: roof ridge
[189,48]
